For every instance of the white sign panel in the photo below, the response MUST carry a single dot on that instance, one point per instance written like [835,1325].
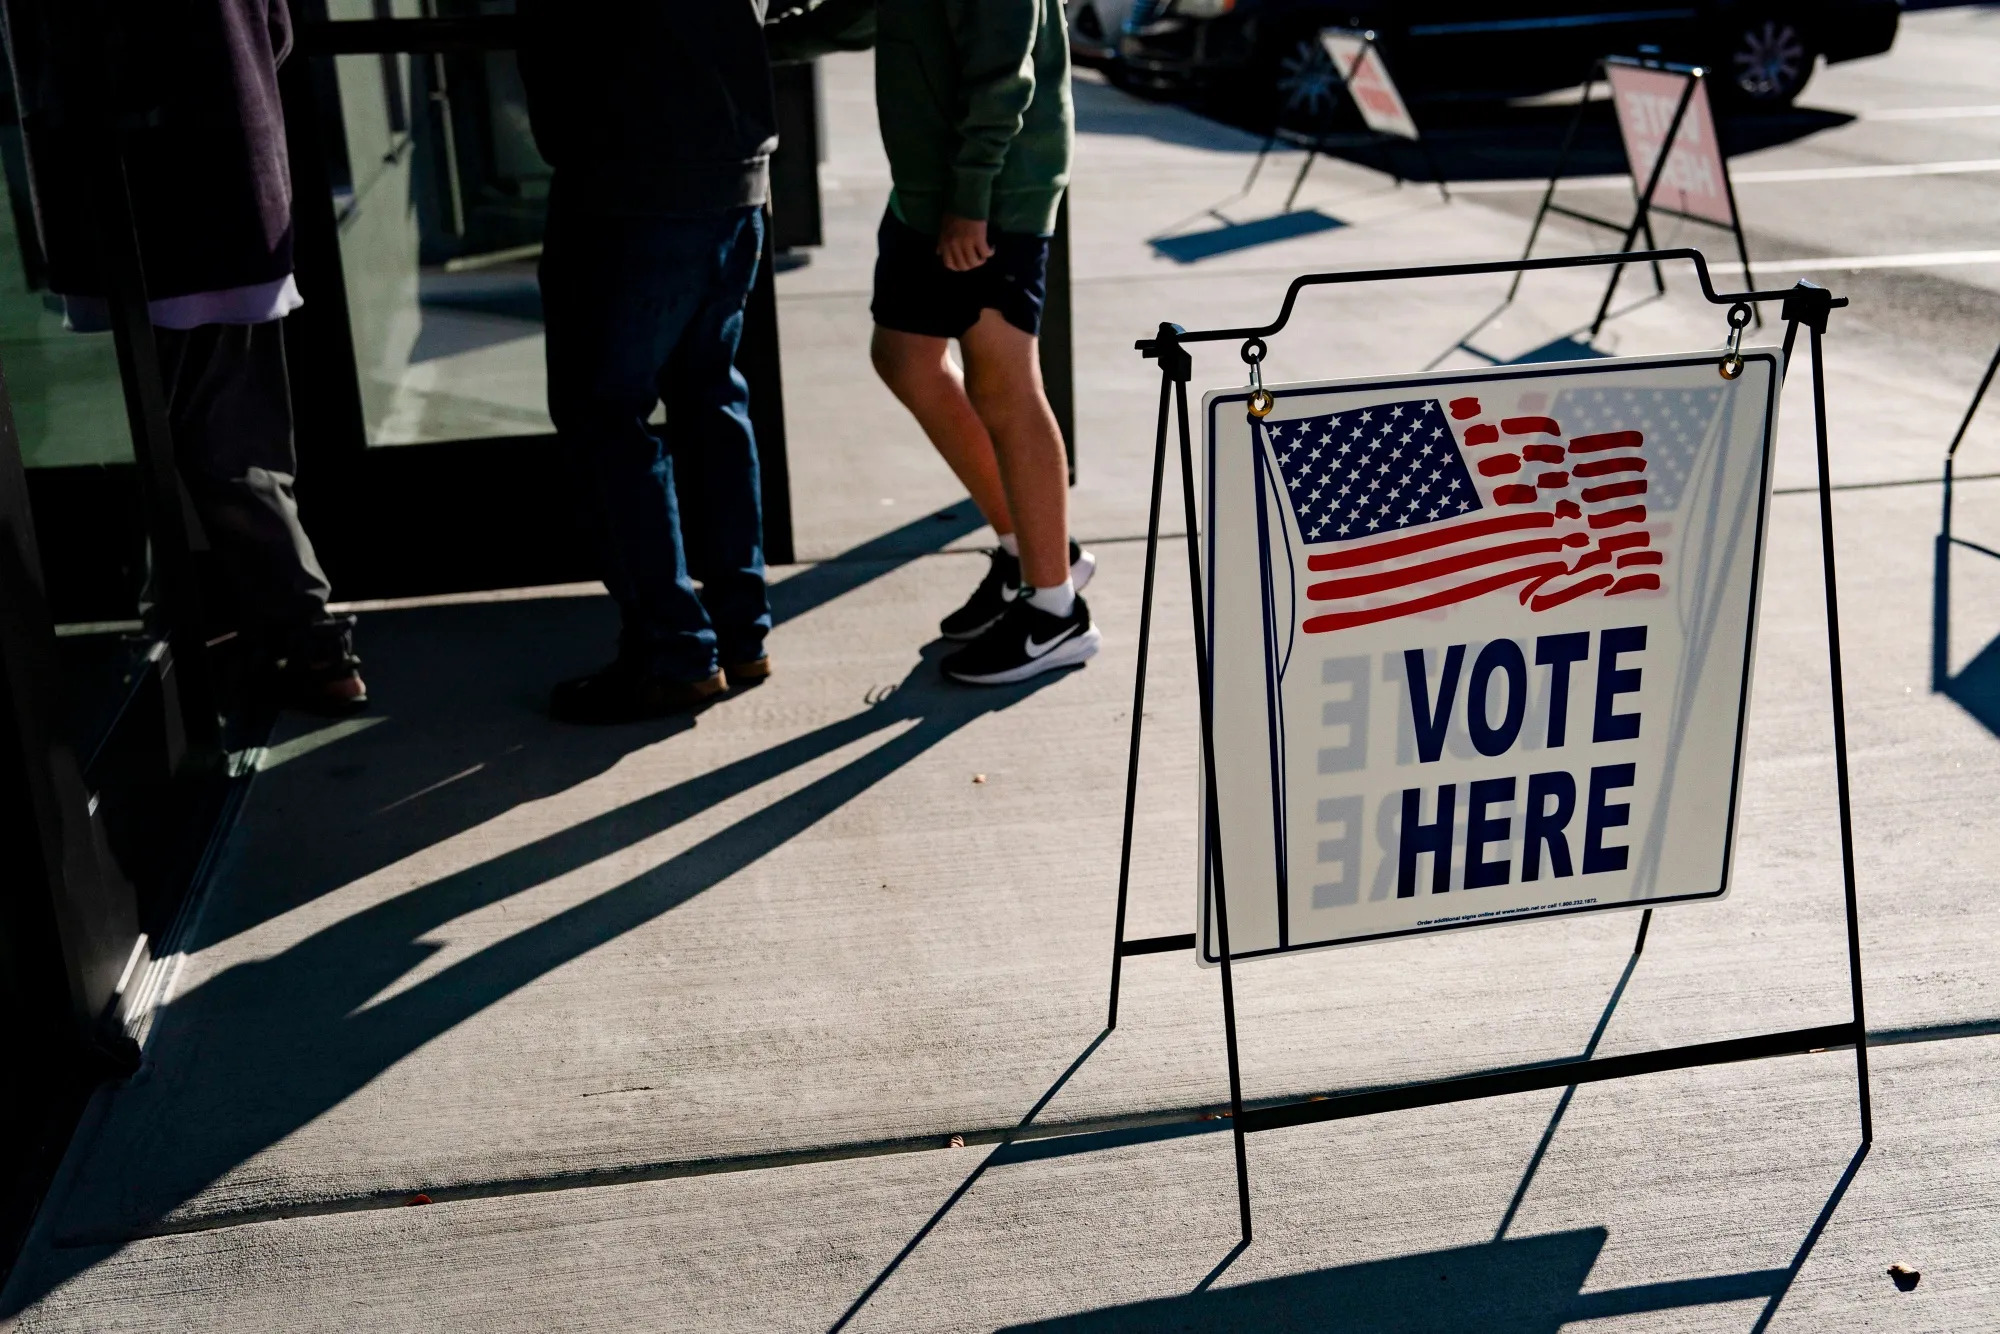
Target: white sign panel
[1367,78]
[1692,183]
[1482,643]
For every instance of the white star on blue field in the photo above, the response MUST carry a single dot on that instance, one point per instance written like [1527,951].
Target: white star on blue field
[1675,422]
[1372,470]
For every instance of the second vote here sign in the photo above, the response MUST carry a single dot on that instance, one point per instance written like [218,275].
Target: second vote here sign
[1482,643]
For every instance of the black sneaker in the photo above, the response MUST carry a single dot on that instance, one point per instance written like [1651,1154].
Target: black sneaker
[1026,641]
[997,589]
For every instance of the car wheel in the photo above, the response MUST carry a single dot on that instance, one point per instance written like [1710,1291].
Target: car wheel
[1767,61]
[1304,90]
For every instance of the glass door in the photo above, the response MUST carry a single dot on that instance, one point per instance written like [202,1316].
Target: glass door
[427,458]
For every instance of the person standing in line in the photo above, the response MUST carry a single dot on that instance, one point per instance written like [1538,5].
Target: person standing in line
[659,122]
[973,99]
[195,87]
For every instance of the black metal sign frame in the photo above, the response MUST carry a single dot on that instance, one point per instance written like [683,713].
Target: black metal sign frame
[1316,144]
[1641,222]
[1807,306]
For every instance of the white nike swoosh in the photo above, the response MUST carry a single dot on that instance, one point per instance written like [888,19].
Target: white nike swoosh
[1035,650]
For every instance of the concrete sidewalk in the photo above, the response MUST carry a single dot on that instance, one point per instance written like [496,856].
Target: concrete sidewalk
[675,1024]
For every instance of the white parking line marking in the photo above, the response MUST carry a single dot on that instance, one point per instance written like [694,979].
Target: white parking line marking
[1851,262]
[1873,171]
[1931,113]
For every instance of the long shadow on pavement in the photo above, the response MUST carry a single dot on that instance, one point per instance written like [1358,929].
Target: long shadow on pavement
[1517,1285]
[465,689]
[258,1051]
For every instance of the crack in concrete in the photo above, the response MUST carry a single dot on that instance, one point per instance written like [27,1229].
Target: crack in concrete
[1084,1135]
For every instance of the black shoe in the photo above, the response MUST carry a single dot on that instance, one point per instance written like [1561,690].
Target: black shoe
[997,589]
[1026,641]
[621,693]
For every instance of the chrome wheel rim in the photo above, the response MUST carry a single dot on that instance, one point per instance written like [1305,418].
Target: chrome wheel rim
[1770,60]
[1307,84]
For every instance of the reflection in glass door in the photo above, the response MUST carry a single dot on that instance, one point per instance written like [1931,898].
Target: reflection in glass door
[439,197]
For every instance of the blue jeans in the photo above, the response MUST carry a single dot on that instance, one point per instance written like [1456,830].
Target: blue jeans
[642,310]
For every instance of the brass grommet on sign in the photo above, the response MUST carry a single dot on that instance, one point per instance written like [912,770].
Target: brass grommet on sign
[1261,401]
[1731,367]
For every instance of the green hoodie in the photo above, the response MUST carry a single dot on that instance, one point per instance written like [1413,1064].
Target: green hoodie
[974,103]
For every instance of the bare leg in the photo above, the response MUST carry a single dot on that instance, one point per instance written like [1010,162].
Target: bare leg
[921,375]
[1003,381]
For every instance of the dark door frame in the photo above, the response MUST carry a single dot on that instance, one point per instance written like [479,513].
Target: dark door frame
[457,515]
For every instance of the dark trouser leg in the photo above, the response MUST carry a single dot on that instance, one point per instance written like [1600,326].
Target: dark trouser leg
[229,406]
[617,293]
[715,451]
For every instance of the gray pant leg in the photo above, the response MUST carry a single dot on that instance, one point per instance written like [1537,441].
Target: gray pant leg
[229,406]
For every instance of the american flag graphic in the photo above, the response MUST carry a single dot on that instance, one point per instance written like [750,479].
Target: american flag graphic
[1418,504]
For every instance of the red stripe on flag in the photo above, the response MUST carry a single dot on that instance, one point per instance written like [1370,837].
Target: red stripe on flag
[1531,426]
[1543,453]
[1570,594]
[1483,434]
[1404,546]
[1554,481]
[1343,620]
[1613,490]
[1607,547]
[1598,467]
[1514,495]
[1612,518]
[1642,558]
[1568,509]
[1461,408]
[1361,585]
[1500,465]
[1590,444]
[1633,583]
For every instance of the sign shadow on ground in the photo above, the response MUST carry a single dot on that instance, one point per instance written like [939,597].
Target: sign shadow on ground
[1975,687]
[1193,247]
[1510,1285]
[1522,1285]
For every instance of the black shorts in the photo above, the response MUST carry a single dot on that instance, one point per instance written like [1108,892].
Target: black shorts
[915,292]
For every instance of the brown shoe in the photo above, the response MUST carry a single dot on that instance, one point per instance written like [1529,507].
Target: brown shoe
[743,675]
[319,672]
[622,694]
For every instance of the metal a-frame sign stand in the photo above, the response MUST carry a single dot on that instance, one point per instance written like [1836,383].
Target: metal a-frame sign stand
[1316,144]
[1947,539]
[1805,306]
[1641,223]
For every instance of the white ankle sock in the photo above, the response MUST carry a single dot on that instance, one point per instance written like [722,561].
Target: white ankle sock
[1057,601]
[1011,544]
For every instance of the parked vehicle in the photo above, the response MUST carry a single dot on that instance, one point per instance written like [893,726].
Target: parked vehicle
[1095,27]
[1266,52]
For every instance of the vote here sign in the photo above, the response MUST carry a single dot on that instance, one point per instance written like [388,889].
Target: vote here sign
[1692,182]
[1482,643]
[1368,82]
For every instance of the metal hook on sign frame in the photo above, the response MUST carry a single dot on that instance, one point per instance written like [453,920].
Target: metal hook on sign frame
[1731,365]
[1261,402]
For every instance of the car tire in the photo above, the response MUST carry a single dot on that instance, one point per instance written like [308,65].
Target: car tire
[1298,86]
[1765,59]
